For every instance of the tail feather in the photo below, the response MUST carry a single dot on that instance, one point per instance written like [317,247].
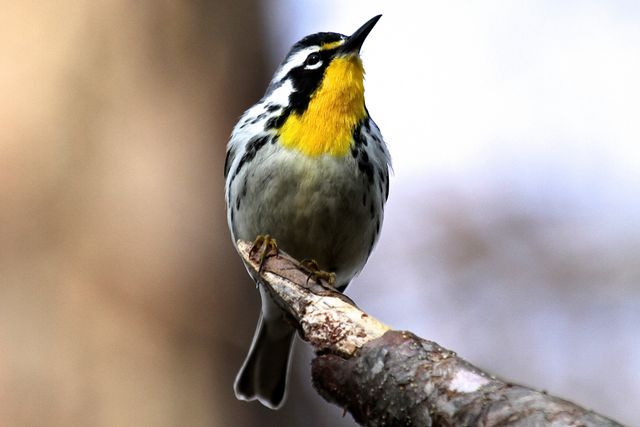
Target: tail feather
[263,375]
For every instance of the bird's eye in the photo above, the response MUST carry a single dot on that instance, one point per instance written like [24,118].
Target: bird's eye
[313,59]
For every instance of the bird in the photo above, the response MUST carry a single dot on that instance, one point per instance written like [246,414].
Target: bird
[307,167]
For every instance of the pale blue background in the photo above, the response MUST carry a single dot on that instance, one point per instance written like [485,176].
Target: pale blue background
[512,233]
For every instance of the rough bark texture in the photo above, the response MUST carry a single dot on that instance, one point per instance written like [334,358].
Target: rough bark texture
[394,378]
[403,380]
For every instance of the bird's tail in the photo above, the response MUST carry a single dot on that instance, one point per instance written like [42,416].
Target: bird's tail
[263,375]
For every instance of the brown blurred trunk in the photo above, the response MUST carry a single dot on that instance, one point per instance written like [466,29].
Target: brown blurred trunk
[112,224]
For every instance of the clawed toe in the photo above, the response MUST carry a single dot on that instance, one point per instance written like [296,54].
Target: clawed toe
[314,272]
[265,246]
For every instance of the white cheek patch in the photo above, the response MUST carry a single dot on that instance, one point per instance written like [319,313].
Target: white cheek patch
[280,96]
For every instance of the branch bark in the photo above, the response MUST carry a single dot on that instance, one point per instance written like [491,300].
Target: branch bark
[394,378]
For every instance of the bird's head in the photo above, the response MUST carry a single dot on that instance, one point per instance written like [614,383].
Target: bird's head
[322,79]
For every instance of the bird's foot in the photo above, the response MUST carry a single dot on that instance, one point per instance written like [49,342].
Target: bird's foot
[264,246]
[312,268]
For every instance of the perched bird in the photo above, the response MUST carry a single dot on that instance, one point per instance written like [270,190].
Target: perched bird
[307,166]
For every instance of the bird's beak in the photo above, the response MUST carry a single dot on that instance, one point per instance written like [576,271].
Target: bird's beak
[354,42]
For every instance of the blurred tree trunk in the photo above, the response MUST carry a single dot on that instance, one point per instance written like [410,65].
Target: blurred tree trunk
[112,131]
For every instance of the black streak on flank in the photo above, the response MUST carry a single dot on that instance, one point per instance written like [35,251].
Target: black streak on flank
[367,125]
[253,146]
[242,194]
[359,137]
[367,169]
[365,166]
[257,118]
[227,161]
[276,122]
[384,179]
[365,156]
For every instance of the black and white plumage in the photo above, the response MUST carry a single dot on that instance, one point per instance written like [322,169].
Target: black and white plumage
[307,166]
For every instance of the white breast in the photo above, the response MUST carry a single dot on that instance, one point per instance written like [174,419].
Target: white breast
[315,207]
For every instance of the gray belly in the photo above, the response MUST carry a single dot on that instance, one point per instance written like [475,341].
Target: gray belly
[321,208]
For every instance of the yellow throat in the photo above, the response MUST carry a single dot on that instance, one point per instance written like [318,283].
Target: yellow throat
[334,109]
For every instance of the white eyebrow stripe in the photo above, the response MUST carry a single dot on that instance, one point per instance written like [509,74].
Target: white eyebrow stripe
[295,60]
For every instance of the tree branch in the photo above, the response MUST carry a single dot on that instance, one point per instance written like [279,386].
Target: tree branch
[394,378]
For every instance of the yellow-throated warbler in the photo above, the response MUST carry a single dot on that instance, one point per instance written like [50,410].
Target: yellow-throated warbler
[306,165]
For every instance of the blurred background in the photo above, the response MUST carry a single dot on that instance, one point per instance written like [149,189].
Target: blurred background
[512,233]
